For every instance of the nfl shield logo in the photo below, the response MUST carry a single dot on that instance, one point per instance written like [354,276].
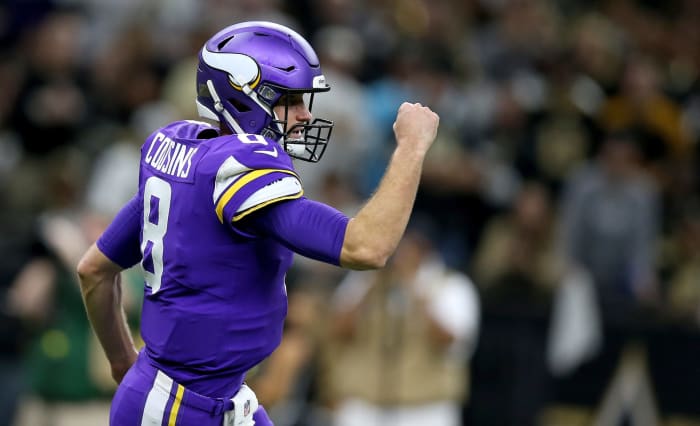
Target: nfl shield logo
[246,408]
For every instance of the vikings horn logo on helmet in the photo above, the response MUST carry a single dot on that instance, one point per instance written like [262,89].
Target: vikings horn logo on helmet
[242,69]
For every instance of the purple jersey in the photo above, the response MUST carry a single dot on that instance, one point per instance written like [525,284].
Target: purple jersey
[215,297]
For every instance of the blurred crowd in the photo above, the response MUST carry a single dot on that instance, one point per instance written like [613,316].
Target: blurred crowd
[552,275]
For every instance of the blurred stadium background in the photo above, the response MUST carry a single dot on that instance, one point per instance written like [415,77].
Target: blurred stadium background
[564,183]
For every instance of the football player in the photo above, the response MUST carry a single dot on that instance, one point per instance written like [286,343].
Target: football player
[218,215]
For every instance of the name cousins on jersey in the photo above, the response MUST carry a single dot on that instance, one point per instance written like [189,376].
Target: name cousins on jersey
[173,158]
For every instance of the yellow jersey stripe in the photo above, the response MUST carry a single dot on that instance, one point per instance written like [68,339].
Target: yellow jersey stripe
[240,183]
[176,405]
[261,205]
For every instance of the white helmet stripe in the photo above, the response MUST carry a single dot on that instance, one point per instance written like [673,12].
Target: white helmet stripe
[242,69]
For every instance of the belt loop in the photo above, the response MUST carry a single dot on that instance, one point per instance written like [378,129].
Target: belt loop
[228,405]
[219,407]
[222,405]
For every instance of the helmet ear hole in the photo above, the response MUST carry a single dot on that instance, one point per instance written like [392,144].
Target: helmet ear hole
[240,106]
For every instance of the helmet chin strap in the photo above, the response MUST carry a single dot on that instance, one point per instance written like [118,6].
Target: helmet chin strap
[295,149]
[219,107]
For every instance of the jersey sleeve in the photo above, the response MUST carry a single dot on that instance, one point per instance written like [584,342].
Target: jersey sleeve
[120,242]
[309,228]
[240,190]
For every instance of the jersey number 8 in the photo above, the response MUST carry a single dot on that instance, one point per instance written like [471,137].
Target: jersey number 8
[156,208]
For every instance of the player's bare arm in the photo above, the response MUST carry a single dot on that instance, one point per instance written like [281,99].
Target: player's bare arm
[372,236]
[100,285]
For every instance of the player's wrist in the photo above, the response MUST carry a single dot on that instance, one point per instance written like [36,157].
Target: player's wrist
[409,149]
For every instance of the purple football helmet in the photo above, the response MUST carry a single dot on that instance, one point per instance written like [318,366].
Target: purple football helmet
[245,69]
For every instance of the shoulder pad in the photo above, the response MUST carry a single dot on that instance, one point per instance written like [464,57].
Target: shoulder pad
[254,172]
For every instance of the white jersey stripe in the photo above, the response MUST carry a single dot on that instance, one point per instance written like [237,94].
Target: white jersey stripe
[228,172]
[156,401]
[283,187]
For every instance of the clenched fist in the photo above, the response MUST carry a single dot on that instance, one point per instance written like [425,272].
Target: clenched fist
[415,127]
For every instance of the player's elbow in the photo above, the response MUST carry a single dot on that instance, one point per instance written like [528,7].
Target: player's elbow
[94,268]
[86,268]
[87,271]
[362,258]
[364,248]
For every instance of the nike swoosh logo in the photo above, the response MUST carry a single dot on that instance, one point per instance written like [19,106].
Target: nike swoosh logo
[271,153]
